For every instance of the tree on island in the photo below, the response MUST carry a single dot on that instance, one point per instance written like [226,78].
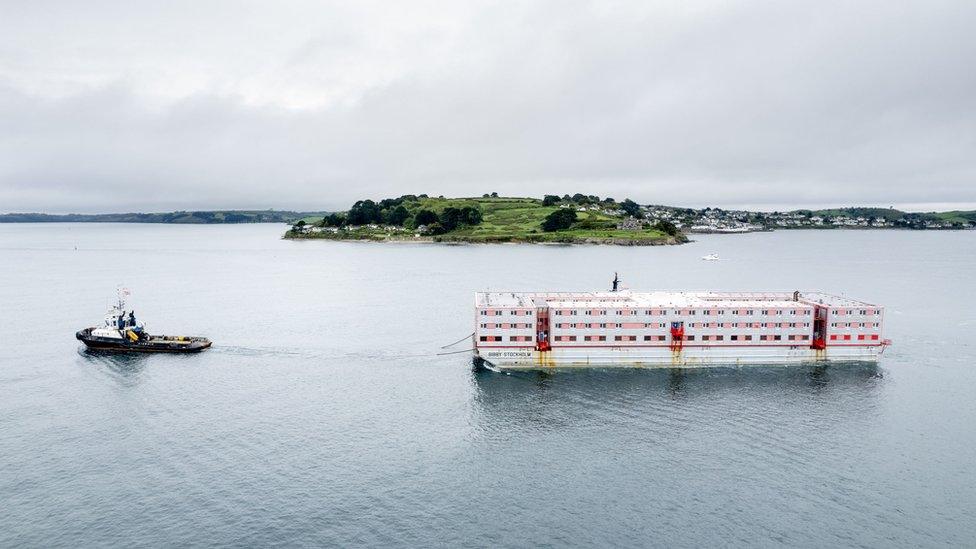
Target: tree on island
[334,220]
[452,218]
[471,215]
[398,216]
[563,218]
[364,212]
[550,200]
[632,208]
[424,217]
[667,227]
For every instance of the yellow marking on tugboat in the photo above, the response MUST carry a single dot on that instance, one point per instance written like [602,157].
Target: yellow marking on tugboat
[133,337]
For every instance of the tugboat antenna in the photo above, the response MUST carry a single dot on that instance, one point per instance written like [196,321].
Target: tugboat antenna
[122,293]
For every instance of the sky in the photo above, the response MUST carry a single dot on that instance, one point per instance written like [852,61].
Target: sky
[310,105]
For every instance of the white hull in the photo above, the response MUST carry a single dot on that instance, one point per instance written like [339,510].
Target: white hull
[664,357]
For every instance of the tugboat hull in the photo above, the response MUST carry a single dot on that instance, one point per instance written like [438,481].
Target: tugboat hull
[152,344]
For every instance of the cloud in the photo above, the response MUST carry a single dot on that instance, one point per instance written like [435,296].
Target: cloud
[137,107]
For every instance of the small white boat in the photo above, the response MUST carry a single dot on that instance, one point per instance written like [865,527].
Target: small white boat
[710,257]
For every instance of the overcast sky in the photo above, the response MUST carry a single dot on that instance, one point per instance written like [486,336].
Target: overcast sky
[153,106]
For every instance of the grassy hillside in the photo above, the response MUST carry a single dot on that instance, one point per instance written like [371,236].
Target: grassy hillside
[888,214]
[901,219]
[955,216]
[506,219]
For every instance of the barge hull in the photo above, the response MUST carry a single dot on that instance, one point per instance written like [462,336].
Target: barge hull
[631,357]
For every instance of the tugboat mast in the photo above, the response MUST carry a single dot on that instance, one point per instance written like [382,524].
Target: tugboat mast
[616,282]
[122,293]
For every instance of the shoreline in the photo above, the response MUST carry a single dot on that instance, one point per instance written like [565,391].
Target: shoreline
[459,241]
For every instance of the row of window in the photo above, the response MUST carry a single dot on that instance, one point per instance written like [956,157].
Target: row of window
[631,325]
[634,325]
[860,337]
[709,337]
[680,312]
[512,312]
[510,338]
[683,312]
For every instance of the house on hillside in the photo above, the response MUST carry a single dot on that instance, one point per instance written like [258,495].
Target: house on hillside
[630,224]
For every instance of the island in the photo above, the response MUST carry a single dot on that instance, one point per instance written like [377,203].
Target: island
[577,219]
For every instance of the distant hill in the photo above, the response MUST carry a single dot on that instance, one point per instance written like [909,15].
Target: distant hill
[198,217]
[891,214]
[888,214]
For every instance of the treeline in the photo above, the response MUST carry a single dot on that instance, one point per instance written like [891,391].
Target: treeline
[628,206]
[566,218]
[405,211]
[185,217]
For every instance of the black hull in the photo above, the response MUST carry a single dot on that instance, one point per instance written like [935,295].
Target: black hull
[155,344]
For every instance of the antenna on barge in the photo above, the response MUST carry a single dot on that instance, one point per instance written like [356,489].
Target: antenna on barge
[616,282]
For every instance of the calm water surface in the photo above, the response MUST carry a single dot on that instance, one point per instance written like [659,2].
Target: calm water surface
[321,416]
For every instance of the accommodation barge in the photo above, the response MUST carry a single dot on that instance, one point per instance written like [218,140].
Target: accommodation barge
[526,330]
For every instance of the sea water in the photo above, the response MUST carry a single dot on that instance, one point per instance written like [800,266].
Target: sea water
[325,415]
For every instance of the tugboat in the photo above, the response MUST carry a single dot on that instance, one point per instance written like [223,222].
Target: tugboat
[122,332]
